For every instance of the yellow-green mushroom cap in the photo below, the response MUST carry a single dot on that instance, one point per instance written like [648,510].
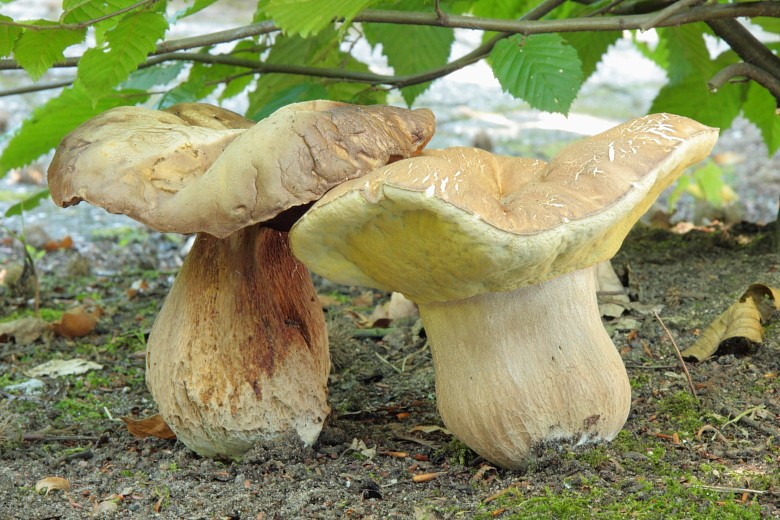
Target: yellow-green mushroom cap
[458,222]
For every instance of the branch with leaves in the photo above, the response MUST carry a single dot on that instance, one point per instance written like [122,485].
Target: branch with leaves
[540,52]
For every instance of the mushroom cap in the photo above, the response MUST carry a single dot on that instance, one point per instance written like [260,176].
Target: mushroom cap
[455,223]
[159,169]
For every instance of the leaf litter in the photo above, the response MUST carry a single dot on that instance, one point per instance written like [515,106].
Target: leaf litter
[713,453]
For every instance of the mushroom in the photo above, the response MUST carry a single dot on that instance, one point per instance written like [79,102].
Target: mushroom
[499,254]
[239,351]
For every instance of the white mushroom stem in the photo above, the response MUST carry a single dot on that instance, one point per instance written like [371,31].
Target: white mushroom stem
[239,351]
[526,368]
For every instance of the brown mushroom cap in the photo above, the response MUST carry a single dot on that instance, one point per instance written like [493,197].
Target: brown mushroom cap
[160,170]
[454,223]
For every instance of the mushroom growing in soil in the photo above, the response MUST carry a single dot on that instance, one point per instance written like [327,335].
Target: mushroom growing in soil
[499,254]
[239,351]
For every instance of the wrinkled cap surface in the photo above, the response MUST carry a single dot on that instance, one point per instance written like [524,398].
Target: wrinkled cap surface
[190,170]
[454,223]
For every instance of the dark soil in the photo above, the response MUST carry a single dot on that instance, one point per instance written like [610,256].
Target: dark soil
[676,457]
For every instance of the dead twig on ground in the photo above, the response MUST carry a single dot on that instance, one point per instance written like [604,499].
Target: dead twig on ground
[679,356]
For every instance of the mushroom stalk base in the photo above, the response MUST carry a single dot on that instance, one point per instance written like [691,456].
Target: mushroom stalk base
[239,351]
[527,368]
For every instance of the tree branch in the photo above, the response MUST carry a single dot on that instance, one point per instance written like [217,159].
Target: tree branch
[80,25]
[746,70]
[529,25]
[747,46]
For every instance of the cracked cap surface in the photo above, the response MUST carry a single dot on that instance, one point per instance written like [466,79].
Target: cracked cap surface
[204,169]
[454,223]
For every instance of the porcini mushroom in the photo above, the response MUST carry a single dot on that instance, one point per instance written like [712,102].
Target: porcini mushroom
[239,351]
[498,253]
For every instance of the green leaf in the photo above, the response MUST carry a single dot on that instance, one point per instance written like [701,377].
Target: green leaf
[296,94]
[679,188]
[80,11]
[710,180]
[197,6]
[8,36]
[31,202]
[768,24]
[129,43]
[686,52]
[188,92]
[540,69]
[236,86]
[160,74]
[432,44]
[591,47]
[38,50]
[50,122]
[309,17]
[760,108]
[499,8]
[692,98]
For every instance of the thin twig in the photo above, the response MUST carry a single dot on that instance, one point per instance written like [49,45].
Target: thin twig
[679,355]
[665,14]
[80,25]
[746,70]
[724,489]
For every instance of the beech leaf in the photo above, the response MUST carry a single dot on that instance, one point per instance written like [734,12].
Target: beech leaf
[540,69]
[740,327]
[154,426]
[47,484]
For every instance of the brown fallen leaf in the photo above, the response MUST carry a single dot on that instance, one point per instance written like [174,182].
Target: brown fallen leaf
[427,477]
[76,322]
[54,245]
[24,330]
[47,484]
[740,327]
[154,426]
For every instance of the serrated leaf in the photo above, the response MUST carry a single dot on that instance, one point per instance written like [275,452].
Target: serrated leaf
[591,47]
[50,122]
[80,11]
[309,17]
[760,108]
[8,36]
[434,45]
[129,43]
[686,52]
[160,74]
[31,202]
[539,69]
[37,50]
[692,98]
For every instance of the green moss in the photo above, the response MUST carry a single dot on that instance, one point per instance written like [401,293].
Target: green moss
[459,453]
[666,498]
[681,410]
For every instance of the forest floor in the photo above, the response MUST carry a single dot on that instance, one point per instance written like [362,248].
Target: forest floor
[677,457]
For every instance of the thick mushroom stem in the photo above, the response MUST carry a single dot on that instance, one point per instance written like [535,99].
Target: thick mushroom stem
[239,352]
[527,368]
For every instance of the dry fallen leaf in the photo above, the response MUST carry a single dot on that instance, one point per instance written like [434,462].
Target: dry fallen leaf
[63,367]
[24,330]
[76,322]
[47,484]
[54,245]
[430,429]
[105,507]
[397,307]
[740,327]
[613,300]
[154,426]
